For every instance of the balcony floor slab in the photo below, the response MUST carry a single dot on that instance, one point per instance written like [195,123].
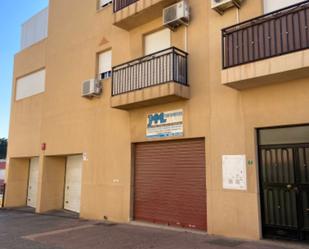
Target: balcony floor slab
[274,70]
[160,94]
[140,12]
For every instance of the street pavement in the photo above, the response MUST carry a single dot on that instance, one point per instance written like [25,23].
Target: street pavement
[22,229]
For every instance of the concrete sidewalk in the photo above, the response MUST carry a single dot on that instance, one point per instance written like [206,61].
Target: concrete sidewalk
[25,230]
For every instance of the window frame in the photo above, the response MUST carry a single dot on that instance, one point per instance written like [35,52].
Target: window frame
[101,7]
[106,74]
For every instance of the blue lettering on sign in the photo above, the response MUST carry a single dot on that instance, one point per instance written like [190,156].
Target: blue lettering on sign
[156,118]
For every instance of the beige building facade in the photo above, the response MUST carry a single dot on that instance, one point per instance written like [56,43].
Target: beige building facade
[200,126]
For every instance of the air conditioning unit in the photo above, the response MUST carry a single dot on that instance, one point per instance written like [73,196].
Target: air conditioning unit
[176,15]
[91,88]
[221,5]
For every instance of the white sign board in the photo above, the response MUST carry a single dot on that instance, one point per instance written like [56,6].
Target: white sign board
[165,124]
[234,172]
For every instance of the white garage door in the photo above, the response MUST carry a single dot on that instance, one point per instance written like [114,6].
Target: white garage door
[73,183]
[33,182]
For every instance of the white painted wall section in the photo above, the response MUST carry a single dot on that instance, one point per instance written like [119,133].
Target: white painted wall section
[35,29]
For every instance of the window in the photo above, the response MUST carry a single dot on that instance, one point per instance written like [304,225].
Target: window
[103,3]
[272,5]
[105,65]
[30,85]
[157,41]
[284,135]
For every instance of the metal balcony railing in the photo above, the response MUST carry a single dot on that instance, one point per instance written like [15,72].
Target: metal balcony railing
[277,33]
[121,4]
[169,65]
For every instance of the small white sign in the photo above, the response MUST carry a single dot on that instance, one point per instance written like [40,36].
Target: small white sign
[85,156]
[234,172]
[165,124]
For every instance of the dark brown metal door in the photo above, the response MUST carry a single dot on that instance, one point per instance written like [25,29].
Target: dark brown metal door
[284,177]
[303,162]
[170,183]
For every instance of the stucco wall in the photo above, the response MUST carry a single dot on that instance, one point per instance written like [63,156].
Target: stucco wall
[17,187]
[70,124]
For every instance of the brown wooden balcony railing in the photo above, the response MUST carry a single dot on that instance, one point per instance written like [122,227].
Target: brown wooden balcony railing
[169,65]
[121,4]
[277,33]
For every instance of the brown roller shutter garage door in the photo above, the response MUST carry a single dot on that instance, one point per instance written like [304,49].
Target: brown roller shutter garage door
[170,183]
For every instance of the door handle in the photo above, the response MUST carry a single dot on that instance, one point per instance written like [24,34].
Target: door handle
[307,210]
[289,186]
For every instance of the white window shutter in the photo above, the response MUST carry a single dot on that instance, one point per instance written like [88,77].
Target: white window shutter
[272,5]
[157,41]
[30,85]
[105,62]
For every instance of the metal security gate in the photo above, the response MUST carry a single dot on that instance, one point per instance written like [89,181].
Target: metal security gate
[170,183]
[284,183]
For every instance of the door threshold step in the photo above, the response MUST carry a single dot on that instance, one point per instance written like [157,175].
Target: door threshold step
[166,227]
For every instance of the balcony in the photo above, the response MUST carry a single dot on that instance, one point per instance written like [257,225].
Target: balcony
[129,14]
[266,49]
[157,78]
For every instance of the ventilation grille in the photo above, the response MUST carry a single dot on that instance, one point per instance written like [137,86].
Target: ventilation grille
[87,88]
[170,14]
[176,15]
